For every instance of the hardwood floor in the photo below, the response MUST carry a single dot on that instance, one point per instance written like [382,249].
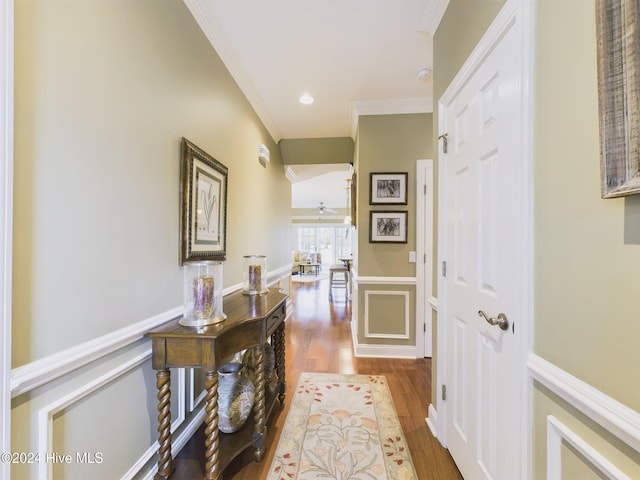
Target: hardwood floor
[318,339]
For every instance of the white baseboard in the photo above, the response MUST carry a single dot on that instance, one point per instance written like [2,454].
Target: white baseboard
[432,420]
[382,351]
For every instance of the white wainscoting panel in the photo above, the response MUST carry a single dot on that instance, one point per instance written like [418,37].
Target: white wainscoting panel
[557,433]
[46,414]
[368,332]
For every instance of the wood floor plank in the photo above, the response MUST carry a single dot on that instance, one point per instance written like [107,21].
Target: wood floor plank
[318,339]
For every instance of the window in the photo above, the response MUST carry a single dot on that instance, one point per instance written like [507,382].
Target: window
[332,242]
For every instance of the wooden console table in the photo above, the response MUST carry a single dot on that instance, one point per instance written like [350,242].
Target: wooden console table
[250,321]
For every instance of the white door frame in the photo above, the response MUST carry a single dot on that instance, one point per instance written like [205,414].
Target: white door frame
[6,220]
[517,14]
[424,256]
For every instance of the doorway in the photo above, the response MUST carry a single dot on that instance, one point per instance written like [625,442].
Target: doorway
[485,279]
[326,243]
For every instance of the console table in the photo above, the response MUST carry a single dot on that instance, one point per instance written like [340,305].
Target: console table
[314,267]
[250,321]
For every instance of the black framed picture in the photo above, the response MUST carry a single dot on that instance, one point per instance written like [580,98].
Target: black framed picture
[388,188]
[387,227]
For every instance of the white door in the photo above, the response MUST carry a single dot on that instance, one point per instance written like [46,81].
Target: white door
[484,255]
[424,253]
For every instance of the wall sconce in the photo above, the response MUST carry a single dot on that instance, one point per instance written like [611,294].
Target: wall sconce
[263,155]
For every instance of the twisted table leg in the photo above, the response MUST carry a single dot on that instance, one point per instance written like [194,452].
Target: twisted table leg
[165,462]
[259,406]
[212,440]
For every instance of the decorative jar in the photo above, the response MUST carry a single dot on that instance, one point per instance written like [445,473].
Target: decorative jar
[254,274]
[236,394]
[202,293]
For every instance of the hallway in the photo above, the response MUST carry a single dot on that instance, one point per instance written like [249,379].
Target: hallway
[318,339]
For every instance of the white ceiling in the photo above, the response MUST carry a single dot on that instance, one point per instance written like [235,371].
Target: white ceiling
[354,57]
[313,184]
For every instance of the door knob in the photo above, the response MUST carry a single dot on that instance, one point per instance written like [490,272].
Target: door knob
[501,320]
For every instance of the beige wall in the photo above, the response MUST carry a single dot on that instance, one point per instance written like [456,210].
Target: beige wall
[586,249]
[585,267]
[586,254]
[388,143]
[104,92]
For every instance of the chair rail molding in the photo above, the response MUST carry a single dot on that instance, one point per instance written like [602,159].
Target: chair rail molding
[47,369]
[377,280]
[620,420]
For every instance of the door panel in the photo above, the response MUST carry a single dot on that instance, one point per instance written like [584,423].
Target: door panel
[482,202]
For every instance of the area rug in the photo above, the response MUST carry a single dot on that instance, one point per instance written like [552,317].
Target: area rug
[342,427]
[306,278]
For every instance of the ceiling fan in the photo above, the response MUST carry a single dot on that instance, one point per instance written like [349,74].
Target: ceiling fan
[322,209]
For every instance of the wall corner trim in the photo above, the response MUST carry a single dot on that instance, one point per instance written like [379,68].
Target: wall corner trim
[620,420]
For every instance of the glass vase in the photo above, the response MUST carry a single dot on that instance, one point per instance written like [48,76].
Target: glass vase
[202,293]
[254,269]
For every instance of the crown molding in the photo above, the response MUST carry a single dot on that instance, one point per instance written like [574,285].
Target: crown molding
[221,45]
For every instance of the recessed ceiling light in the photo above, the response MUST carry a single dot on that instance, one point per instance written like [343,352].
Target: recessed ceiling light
[306,99]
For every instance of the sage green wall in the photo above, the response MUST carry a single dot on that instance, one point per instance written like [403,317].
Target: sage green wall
[99,119]
[389,143]
[310,151]
[104,92]
[587,250]
[460,30]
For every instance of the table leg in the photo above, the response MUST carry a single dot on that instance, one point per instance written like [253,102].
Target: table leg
[165,461]
[259,406]
[212,440]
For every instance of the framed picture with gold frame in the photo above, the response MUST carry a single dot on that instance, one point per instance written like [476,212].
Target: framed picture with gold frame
[203,205]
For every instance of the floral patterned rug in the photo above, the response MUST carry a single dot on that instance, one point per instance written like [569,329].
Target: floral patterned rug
[342,427]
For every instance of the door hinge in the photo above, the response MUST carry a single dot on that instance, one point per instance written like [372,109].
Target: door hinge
[445,141]
[425,188]
[444,392]
[424,259]
[444,268]
[424,327]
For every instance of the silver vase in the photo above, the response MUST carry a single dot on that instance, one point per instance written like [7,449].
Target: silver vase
[236,394]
